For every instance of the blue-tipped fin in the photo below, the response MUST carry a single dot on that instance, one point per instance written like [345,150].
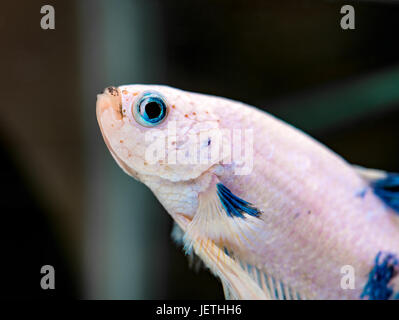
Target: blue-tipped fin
[235,206]
[384,184]
[377,286]
[388,190]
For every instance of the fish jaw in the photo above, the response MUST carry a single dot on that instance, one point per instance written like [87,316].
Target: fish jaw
[110,98]
[109,105]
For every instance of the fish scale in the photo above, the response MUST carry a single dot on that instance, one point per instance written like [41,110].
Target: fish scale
[340,215]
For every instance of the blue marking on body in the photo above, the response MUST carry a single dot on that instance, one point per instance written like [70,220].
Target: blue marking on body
[226,251]
[283,291]
[233,205]
[266,281]
[258,277]
[275,288]
[385,268]
[298,296]
[388,190]
[362,193]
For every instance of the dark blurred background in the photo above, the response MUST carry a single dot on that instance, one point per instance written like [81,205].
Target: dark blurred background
[66,203]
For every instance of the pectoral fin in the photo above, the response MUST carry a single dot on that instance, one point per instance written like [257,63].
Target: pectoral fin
[223,222]
[224,218]
[236,283]
[240,280]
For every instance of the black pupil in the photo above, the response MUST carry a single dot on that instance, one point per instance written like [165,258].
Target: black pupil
[153,110]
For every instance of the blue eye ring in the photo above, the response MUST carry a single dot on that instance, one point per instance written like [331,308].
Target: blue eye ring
[150,109]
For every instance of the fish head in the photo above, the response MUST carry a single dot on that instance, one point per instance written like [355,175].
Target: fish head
[158,131]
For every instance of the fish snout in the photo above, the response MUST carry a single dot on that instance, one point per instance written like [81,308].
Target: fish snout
[110,120]
[110,98]
[113,91]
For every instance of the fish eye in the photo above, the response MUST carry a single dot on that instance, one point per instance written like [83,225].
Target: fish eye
[150,109]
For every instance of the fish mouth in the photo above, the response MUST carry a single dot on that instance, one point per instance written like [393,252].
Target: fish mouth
[111,99]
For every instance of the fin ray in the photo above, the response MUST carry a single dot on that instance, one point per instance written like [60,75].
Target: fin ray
[212,234]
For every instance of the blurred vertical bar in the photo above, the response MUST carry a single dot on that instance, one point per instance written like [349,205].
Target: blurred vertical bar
[116,37]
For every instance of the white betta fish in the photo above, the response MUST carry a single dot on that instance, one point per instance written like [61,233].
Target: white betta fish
[273,213]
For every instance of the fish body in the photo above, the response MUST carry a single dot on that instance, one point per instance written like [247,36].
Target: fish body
[286,223]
